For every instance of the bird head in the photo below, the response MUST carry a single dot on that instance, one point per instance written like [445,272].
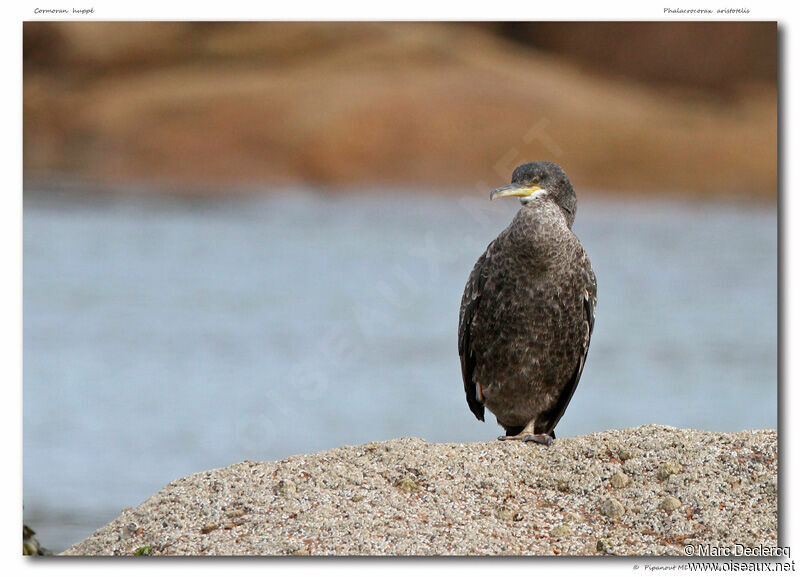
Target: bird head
[541,180]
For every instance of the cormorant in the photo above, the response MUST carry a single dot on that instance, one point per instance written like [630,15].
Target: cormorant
[527,313]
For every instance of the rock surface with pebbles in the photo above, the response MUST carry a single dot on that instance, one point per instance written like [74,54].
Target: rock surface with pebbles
[651,490]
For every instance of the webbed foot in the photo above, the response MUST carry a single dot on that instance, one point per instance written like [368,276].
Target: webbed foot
[526,437]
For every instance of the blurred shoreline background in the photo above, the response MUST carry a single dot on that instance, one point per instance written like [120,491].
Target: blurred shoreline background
[681,108]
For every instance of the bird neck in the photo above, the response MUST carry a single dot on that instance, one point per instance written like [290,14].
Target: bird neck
[538,228]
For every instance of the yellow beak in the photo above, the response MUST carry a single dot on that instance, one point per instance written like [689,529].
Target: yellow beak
[514,189]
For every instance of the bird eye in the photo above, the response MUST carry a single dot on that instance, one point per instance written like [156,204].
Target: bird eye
[535,180]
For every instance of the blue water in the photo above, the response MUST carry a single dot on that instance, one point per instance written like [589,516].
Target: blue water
[166,336]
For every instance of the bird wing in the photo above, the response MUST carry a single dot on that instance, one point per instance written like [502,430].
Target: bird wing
[469,308]
[589,304]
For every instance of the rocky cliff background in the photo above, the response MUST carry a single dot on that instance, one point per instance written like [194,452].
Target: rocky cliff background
[659,107]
